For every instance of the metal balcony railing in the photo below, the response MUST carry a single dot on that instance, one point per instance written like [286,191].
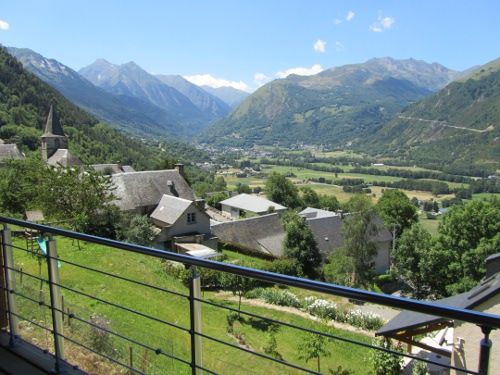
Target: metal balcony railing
[60,321]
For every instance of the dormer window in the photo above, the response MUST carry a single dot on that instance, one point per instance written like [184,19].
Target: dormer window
[191,218]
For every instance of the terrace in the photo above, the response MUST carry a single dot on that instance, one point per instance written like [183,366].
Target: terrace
[50,299]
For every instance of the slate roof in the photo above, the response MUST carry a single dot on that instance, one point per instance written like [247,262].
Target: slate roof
[64,158]
[252,203]
[327,228]
[53,126]
[327,232]
[112,168]
[10,151]
[405,320]
[137,190]
[264,234]
[169,210]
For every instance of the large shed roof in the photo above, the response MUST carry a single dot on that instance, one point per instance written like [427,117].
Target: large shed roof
[252,203]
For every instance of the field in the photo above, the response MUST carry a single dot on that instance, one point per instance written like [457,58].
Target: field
[222,359]
[303,174]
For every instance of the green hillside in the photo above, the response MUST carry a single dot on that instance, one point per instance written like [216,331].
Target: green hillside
[335,107]
[457,128]
[24,104]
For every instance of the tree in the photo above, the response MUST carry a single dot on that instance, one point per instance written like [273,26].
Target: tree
[243,188]
[19,183]
[309,197]
[413,246]
[281,190]
[454,261]
[385,363]
[215,199]
[329,202]
[468,234]
[357,230]
[76,196]
[313,346]
[299,244]
[238,285]
[136,229]
[397,211]
[340,268]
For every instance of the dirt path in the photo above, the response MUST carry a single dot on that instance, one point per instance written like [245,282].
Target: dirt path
[292,310]
[444,123]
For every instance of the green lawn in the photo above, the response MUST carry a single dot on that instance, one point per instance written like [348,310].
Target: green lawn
[170,308]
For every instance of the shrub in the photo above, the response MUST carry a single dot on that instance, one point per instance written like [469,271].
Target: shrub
[275,296]
[419,368]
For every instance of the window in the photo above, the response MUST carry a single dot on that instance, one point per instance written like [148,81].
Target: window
[191,218]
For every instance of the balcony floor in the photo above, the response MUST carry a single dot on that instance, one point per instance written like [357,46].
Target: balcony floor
[26,359]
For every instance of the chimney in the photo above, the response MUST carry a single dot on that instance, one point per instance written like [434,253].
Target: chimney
[200,203]
[492,264]
[180,168]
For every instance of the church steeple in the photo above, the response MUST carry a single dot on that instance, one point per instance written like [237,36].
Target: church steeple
[52,126]
[53,137]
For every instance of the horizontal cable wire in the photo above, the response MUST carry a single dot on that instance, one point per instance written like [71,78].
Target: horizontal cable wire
[104,272]
[257,354]
[128,309]
[334,337]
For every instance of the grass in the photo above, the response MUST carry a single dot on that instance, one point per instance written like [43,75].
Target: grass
[170,308]
[431,225]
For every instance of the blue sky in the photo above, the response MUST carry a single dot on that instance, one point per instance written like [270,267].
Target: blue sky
[245,43]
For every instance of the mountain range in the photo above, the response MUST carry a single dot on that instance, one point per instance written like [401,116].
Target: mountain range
[456,128]
[130,98]
[23,111]
[335,107]
[405,108]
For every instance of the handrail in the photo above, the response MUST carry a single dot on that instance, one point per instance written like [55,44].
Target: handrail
[482,319]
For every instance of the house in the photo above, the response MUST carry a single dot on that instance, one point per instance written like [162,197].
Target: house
[327,230]
[240,204]
[9,151]
[55,144]
[261,234]
[140,192]
[264,234]
[181,220]
[455,342]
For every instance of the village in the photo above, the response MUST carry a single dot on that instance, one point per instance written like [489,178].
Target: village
[252,226]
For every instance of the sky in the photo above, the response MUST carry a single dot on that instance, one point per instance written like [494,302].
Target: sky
[246,43]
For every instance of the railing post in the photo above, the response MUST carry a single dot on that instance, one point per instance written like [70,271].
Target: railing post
[55,301]
[484,354]
[10,283]
[195,320]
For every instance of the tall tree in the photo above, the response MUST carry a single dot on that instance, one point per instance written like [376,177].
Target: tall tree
[357,230]
[413,246]
[79,197]
[299,244]
[282,191]
[467,235]
[396,210]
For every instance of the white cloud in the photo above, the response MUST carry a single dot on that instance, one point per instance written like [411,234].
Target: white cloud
[320,46]
[210,80]
[337,21]
[4,25]
[382,23]
[349,16]
[260,78]
[301,71]
[338,46]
